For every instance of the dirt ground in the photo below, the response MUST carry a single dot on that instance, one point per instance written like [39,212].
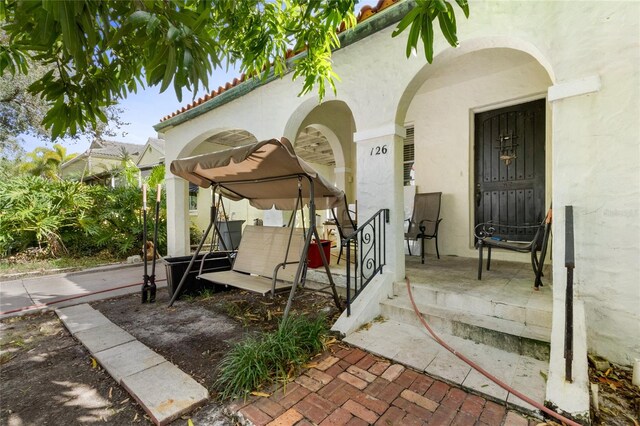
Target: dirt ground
[49,378]
[198,331]
[619,399]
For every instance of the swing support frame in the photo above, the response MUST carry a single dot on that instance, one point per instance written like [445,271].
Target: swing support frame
[263,190]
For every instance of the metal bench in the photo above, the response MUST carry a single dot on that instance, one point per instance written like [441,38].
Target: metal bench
[487,235]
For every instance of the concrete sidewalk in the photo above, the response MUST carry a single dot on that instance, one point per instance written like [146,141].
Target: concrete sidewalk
[28,295]
[162,389]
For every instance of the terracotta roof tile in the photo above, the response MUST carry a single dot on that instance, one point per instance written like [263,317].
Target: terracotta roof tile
[365,13]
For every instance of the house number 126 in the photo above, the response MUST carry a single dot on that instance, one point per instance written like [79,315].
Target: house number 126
[378,150]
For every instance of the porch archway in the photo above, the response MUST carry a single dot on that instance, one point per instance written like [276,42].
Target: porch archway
[439,104]
[322,135]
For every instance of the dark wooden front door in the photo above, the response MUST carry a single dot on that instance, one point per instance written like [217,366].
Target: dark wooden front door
[510,166]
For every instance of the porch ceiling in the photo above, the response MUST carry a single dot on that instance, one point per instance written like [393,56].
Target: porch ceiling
[313,147]
[232,138]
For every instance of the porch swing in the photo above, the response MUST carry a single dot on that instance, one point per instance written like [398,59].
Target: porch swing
[269,175]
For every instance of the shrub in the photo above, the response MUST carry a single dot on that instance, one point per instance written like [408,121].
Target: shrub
[72,217]
[36,211]
[259,361]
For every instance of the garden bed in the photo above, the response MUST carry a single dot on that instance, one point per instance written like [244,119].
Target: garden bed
[48,371]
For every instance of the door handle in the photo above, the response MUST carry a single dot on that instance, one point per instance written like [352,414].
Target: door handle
[478,197]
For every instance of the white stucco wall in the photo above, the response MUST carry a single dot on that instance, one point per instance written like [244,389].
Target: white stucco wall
[594,137]
[596,144]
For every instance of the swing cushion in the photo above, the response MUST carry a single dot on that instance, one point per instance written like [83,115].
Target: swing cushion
[261,249]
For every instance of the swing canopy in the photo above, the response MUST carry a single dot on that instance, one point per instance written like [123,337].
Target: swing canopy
[266,173]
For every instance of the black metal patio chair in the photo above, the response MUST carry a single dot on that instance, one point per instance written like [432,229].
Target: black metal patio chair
[425,220]
[489,235]
[345,224]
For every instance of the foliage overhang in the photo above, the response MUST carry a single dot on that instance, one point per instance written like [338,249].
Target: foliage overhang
[100,51]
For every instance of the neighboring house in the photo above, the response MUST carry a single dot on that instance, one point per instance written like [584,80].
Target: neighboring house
[151,155]
[98,163]
[561,79]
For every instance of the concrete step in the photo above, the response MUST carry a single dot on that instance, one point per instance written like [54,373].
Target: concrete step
[415,348]
[521,305]
[161,388]
[319,276]
[501,333]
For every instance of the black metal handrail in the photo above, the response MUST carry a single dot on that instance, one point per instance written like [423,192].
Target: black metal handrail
[570,264]
[369,256]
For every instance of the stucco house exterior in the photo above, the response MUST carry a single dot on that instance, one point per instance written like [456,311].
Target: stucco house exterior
[566,72]
[97,163]
[151,155]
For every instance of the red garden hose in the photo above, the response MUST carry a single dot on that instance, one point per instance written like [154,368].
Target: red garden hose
[483,371]
[77,296]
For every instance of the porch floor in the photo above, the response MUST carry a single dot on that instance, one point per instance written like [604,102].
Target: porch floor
[507,282]
[510,283]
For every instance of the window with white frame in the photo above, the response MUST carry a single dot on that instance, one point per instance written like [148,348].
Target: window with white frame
[193,197]
[408,157]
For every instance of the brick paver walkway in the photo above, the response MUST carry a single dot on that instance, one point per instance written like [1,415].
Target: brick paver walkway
[347,386]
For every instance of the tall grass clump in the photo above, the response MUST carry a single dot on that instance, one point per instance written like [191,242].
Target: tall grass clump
[260,361]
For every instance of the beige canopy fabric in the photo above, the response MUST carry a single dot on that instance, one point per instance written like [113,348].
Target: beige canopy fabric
[266,173]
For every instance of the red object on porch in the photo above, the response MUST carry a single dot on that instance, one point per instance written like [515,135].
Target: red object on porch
[313,258]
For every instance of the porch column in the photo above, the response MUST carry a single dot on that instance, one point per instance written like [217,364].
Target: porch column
[379,186]
[177,216]
[341,174]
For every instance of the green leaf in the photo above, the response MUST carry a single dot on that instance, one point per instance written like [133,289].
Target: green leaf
[408,19]
[67,21]
[414,34]
[169,71]
[427,37]
[172,33]
[139,18]
[464,5]
[448,25]
[441,5]
[152,24]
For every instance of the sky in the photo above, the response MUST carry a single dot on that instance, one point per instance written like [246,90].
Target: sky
[144,109]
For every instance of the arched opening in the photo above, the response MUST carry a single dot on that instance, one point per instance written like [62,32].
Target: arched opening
[323,137]
[440,108]
[198,199]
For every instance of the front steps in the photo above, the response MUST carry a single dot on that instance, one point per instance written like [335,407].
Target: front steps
[500,323]
[521,327]
[415,348]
